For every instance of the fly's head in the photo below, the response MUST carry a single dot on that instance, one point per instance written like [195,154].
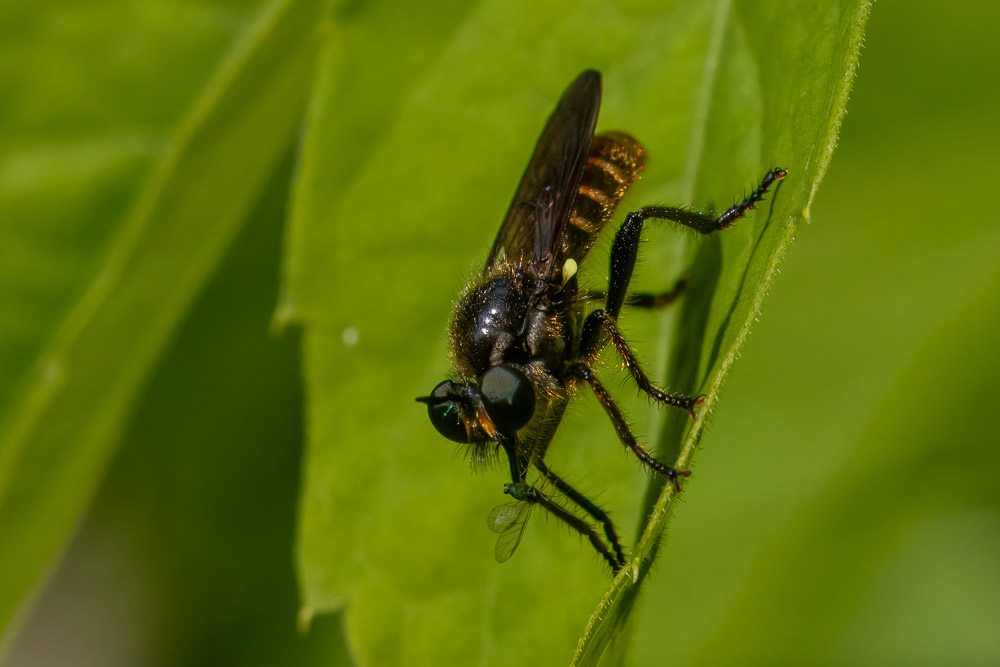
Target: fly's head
[501,403]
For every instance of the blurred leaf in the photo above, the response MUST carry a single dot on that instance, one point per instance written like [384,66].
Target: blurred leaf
[57,441]
[184,556]
[932,508]
[93,92]
[400,193]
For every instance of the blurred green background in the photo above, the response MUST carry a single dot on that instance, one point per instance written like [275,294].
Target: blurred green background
[846,512]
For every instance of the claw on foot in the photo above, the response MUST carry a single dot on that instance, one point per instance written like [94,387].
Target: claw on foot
[675,475]
[698,401]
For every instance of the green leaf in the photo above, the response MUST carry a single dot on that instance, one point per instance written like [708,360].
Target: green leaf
[60,435]
[404,178]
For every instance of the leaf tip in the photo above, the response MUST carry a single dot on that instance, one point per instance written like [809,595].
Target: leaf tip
[284,314]
[305,618]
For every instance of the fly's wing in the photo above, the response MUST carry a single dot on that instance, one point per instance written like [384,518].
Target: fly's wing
[530,234]
[509,520]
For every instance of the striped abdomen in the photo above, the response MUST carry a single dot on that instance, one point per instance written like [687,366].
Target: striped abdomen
[615,162]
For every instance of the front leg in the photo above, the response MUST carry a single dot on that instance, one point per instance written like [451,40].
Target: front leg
[587,505]
[530,494]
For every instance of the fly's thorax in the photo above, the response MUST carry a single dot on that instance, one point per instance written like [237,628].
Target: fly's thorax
[546,335]
[489,322]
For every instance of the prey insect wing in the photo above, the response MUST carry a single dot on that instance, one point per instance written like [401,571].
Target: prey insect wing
[532,229]
[509,520]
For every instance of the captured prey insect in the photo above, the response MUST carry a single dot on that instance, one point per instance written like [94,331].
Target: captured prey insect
[524,337]
[509,520]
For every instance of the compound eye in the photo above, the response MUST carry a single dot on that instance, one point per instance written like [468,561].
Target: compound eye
[446,416]
[508,396]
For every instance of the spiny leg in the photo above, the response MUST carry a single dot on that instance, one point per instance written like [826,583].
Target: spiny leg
[622,428]
[626,244]
[576,523]
[592,328]
[589,507]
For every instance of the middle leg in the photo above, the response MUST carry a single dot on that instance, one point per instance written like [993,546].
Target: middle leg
[599,322]
[583,372]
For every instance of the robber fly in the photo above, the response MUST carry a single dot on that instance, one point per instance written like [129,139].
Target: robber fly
[525,338]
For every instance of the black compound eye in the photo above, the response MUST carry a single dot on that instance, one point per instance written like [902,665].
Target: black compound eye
[446,416]
[508,396]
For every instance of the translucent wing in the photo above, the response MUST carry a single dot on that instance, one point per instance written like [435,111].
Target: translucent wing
[509,520]
[529,235]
